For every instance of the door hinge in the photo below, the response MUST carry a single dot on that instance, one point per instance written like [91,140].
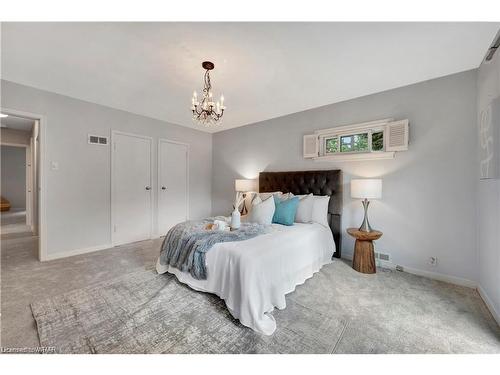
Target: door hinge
[114,146]
[114,228]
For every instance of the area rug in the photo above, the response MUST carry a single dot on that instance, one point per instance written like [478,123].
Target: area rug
[144,312]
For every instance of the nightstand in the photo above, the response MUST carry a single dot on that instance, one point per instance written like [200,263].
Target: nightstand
[364,256]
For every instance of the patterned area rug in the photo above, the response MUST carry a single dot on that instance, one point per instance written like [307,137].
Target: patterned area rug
[148,313]
[337,311]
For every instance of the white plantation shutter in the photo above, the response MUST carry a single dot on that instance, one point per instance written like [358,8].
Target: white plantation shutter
[311,146]
[397,136]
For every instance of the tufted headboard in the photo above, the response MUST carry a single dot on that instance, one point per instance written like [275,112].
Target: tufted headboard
[306,182]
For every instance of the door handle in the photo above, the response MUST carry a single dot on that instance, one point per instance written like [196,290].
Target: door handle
[148,187]
[163,188]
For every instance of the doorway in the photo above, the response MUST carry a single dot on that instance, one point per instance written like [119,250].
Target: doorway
[26,130]
[173,181]
[19,175]
[131,188]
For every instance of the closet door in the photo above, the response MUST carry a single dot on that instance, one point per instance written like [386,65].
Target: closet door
[173,159]
[131,194]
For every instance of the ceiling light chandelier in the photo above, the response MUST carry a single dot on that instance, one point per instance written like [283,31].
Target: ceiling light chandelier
[207,112]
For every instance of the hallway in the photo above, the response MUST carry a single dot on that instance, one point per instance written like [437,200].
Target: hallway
[13,223]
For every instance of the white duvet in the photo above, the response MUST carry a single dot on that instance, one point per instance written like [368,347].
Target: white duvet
[253,276]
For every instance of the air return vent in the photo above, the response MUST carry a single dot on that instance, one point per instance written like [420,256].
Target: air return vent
[97,140]
[382,256]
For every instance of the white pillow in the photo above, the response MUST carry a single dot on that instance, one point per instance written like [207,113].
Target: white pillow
[262,211]
[265,196]
[304,209]
[320,209]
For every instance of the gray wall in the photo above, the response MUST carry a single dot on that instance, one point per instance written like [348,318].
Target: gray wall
[78,194]
[14,176]
[429,192]
[488,89]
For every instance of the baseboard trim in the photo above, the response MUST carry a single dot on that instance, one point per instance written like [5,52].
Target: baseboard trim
[431,275]
[71,253]
[489,303]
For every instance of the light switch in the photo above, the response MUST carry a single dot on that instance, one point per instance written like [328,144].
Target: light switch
[54,165]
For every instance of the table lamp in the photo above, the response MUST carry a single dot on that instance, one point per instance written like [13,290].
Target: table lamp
[244,187]
[366,189]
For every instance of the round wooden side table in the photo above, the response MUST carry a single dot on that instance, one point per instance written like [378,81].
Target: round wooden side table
[364,255]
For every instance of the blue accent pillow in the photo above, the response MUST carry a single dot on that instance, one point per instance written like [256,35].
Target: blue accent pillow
[285,210]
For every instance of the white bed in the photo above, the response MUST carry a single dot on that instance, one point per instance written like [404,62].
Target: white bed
[253,276]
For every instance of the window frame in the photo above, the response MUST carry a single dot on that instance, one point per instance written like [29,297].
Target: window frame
[323,138]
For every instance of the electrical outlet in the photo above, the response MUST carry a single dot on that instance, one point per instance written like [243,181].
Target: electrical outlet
[433,261]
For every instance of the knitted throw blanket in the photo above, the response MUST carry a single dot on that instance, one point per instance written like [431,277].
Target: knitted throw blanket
[186,244]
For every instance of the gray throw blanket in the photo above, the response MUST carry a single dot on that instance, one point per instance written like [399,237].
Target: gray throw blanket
[186,244]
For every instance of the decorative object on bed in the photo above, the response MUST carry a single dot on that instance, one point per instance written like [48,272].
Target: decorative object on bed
[366,189]
[318,182]
[244,187]
[304,209]
[262,211]
[187,243]
[218,225]
[235,215]
[285,210]
[207,112]
[235,219]
[265,196]
[364,255]
[320,209]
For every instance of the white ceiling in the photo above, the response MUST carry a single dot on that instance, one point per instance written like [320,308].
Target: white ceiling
[17,123]
[265,70]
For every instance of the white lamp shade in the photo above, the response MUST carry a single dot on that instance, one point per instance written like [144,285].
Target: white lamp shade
[366,188]
[245,185]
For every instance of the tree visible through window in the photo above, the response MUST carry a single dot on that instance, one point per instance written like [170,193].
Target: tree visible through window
[354,143]
[378,141]
[332,145]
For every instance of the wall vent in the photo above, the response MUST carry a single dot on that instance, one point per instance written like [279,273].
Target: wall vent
[383,256]
[97,140]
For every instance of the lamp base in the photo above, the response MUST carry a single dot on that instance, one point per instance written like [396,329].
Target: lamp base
[365,225]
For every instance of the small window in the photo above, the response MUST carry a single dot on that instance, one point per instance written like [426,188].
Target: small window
[354,143]
[332,145]
[369,140]
[378,141]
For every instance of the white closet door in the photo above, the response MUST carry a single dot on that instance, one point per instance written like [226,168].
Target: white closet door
[131,188]
[173,184]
